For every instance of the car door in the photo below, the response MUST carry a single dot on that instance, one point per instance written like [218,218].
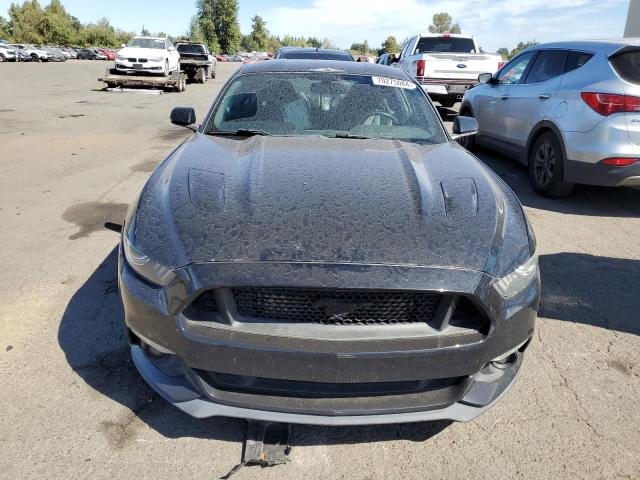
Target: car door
[174,56]
[492,101]
[531,100]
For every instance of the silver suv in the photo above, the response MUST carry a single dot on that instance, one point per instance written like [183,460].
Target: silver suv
[568,110]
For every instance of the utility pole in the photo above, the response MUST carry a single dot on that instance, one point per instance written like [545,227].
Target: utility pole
[632,29]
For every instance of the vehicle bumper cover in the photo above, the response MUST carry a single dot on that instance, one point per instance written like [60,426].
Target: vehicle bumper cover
[154,320]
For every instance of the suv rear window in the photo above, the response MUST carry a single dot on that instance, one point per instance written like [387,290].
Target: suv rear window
[191,48]
[445,44]
[577,59]
[302,55]
[627,65]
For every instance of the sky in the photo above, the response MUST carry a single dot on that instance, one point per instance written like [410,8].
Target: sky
[495,23]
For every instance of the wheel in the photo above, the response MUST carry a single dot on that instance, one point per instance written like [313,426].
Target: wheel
[35,58]
[546,167]
[213,72]
[2,59]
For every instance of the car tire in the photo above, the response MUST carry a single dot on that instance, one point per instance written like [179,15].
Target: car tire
[213,72]
[34,57]
[546,167]
[2,58]
[468,142]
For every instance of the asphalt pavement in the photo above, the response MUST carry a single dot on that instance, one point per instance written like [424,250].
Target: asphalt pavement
[73,405]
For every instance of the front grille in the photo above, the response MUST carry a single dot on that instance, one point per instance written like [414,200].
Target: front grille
[337,307]
[133,60]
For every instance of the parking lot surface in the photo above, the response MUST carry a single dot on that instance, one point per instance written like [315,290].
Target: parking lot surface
[73,405]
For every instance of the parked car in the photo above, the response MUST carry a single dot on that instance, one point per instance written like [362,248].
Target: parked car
[353,265]
[30,53]
[87,54]
[447,65]
[148,55]
[388,59]
[365,59]
[109,54]
[7,53]
[70,53]
[568,110]
[306,53]
[55,54]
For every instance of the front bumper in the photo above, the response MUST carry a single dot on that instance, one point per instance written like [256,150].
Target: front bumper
[147,66]
[155,319]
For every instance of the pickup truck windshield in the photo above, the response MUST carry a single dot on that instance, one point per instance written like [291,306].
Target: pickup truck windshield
[191,49]
[146,43]
[327,104]
[445,44]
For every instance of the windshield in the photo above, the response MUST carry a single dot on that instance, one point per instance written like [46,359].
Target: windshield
[188,48]
[315,55]
[327,104]
[146,43]
[445,44]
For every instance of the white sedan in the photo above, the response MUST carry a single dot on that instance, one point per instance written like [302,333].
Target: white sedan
[148,54]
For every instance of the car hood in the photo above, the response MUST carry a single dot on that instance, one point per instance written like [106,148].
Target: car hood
[314,199]
[135,52]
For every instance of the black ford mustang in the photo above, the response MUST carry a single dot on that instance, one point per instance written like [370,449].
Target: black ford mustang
[321,251]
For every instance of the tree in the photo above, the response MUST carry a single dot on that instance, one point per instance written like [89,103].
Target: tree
[145,32]
[5,29]
[28,22]
[219,24]
[443,23]
[259,33]
[326,43]
[195,32]
[314,42]
[390,45]
[99,34]
[248,44]
[522,46]
[59,27]
[361,48]
[504,53]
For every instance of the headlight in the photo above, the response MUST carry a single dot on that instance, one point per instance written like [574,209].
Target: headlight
[142,264]
[512,284]
[155,59]
[121,58]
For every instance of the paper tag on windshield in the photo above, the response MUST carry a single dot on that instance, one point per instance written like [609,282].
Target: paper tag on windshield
[393,82]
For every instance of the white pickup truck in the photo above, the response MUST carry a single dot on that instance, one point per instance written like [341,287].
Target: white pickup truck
[446,64]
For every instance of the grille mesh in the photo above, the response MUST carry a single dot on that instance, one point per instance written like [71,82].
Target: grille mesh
[337,307]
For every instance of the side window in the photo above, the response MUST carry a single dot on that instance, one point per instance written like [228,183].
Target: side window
[577,59]
[513,72]
[548,65]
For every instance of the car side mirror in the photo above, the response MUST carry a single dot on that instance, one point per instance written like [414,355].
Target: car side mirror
[464,127]
[172,49]
[485,78]
[122,45]
[184,117]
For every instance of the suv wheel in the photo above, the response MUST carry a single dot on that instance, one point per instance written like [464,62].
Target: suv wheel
[546,167]
[2,59]
[35,58]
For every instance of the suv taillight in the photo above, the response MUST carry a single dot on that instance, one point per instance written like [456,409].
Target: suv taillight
[420,67]
[609,103]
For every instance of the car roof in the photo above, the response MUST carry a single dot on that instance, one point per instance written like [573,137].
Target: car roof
[329,66]
[604,46]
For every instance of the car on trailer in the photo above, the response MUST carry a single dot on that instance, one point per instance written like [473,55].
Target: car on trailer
[196,61]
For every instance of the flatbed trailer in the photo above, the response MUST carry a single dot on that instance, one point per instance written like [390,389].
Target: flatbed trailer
[175,81]
[197,70]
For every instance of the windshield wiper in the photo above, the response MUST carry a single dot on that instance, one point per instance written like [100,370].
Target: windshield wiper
[348,135]
[242,132]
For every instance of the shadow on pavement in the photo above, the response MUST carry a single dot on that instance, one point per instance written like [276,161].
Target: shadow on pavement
[583,200]
[93,338]
[597,291]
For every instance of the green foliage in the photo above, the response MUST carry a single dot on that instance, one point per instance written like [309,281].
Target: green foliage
[314,42]
[443,23]
[5,29]
[99,34]
[259,34]
[390,45]
[326,43]
[28,22]
[363,48]
[145,32]
[59,26]
[522,46]
[218,21]
[504,53]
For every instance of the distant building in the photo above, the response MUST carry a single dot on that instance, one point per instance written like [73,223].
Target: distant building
[632,30]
